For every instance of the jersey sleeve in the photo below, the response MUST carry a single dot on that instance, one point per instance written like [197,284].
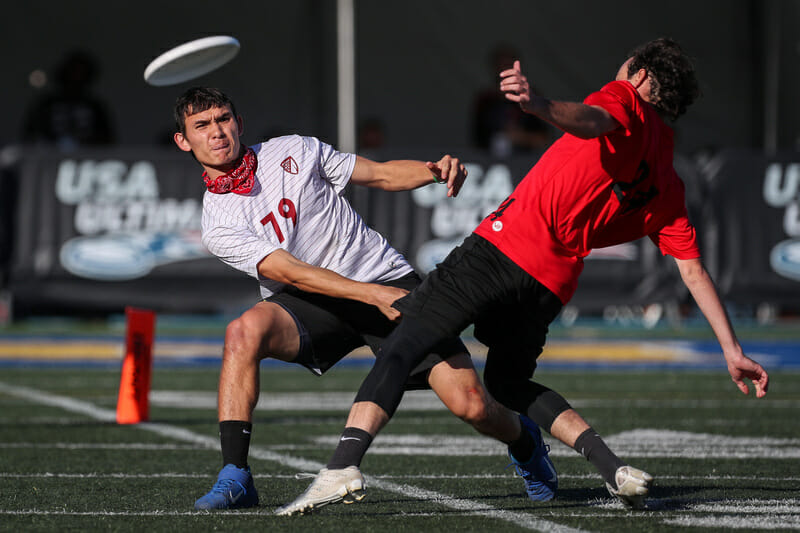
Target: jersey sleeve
[618,99]
[334,166]
[677,238]
[236,246]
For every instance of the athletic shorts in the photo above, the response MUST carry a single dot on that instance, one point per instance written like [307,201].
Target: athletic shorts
[478,284]
[330,328]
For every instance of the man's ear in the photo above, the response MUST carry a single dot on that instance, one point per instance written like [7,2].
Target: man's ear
[240,122]
[180,140]
[639,78]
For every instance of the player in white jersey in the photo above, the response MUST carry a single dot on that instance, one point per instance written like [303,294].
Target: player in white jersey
[276,211]
[300,181]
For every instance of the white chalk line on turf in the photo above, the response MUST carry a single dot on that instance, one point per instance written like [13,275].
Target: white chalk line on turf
[101,446]
[718,522]
[76,406]
[751,506]
[634,443]
[637,443]
[323,401]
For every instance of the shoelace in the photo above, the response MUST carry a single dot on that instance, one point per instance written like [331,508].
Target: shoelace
[224,485]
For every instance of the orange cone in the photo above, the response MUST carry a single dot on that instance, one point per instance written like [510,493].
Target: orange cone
[133,403]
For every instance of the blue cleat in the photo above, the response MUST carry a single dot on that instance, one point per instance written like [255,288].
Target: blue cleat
[234,489]
[541,480]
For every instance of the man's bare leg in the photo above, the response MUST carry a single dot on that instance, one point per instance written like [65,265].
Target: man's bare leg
[568,426]
[630,485]
[457,384]
[265,329]
[459,388]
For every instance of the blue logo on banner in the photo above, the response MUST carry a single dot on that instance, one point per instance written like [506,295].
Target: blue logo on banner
[121,256]
[785,259]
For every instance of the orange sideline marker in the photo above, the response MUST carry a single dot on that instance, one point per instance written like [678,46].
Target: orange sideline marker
[133,403]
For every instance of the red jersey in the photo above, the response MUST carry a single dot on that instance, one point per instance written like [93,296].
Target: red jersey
[592,193]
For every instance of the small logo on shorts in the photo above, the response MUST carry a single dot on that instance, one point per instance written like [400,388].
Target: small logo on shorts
[497,225]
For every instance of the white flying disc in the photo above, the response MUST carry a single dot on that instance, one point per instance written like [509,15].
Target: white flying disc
[191,60]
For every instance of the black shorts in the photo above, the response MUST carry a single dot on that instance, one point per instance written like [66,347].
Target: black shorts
[330,328]
[477,284]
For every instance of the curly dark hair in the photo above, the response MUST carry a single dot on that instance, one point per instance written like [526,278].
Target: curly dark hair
[673,85]
[197,100]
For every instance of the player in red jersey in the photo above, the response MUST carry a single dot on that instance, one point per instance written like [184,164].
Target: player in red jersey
[609,179]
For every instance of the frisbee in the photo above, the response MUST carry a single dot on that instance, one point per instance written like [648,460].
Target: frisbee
[191,60]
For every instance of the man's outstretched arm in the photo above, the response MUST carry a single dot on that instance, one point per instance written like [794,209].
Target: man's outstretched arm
[741,367]
[575,118]
[283,267]
[404,175]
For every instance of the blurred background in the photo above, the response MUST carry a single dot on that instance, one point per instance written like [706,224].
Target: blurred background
[100,211]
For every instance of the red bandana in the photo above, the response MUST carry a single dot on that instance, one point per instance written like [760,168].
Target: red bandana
[239,180]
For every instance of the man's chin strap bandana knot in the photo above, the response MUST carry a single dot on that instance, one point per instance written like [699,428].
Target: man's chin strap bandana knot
[239,180]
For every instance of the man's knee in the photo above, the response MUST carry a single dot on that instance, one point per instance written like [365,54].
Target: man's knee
[470,404]
[244,336]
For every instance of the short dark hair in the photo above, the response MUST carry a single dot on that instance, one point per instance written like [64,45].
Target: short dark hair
[673,85]
[197,100]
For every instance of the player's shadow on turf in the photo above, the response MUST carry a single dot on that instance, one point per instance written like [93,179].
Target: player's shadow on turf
[686,497]
[566,497]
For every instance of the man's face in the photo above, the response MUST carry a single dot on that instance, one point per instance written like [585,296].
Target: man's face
[213,136]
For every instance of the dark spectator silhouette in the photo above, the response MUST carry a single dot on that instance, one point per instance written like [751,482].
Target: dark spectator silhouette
[499,125]
[70,116]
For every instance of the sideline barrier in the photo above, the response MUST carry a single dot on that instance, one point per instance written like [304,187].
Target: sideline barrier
[751,228]
[97,230]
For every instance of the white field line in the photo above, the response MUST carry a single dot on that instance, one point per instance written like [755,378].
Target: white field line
[750,506]
[636,443]
[761,522]
[428,401]
[99,446]
[524,520]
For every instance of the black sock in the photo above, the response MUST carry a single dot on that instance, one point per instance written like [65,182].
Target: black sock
[522,448]
[590,445]
[234,437]
[352,446]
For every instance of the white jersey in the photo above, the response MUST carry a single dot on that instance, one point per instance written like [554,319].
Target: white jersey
[296,205]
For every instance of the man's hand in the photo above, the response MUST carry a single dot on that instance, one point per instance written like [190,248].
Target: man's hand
[451,170]
[515,86]
[742,367]
[384,296]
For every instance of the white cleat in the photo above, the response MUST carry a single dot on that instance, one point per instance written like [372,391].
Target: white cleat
[330,486]
[632,486]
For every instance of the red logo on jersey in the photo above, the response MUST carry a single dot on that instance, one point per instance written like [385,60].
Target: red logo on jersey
[289,165]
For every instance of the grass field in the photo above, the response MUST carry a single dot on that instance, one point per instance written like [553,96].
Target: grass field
[722,461]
